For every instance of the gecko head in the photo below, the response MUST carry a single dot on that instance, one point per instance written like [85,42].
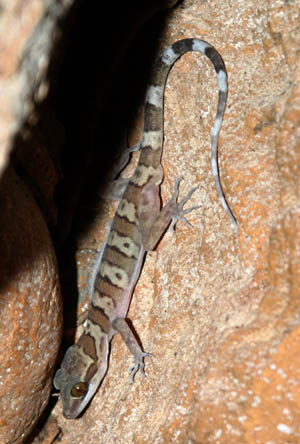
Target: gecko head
[74,394]
[78,379]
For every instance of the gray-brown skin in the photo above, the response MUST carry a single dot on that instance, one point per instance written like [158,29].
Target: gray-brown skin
[138,225]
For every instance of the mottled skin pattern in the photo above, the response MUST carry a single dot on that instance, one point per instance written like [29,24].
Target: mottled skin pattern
[138,225]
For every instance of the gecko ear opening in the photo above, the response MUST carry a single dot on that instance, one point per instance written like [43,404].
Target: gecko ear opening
[79,389]
[57,380]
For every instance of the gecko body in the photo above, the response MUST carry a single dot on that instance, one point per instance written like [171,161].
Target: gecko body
[137,227]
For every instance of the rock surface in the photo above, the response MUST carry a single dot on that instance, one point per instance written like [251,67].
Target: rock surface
[219,312]
[31,42]
[28,31]
[30,306]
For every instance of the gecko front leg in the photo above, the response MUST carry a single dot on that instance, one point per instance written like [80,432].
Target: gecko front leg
[121,326]
[152,223]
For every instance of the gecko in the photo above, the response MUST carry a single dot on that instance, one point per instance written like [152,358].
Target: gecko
[138,225]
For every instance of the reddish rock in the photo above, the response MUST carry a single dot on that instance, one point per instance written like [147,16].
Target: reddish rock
[219,312]
[30,322]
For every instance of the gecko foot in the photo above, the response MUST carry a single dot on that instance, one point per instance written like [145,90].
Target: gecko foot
[138,365]
[179,213]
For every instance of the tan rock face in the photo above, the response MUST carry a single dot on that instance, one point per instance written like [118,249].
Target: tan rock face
[219,312]
[30,306]
[30,321]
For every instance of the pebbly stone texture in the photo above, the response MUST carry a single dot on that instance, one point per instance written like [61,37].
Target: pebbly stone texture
[30,322]
[219,312]
[30,305]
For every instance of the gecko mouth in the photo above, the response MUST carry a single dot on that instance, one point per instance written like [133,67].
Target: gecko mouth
[68,416]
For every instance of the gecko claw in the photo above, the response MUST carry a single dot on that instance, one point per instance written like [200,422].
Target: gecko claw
[176,187]
[138,365]
[188,196]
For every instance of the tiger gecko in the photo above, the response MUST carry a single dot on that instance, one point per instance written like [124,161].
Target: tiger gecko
[137,227]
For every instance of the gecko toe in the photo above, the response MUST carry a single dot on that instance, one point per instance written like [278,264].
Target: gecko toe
[138,365]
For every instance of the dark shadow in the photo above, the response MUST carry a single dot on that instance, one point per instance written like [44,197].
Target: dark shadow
[100,86]
[98,78]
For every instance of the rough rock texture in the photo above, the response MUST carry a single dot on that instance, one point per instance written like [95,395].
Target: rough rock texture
[30,306]
[26,40]
[31,42]
[30,321]
[219,312]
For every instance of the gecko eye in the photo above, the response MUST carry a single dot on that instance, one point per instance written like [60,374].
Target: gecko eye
[79,389]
